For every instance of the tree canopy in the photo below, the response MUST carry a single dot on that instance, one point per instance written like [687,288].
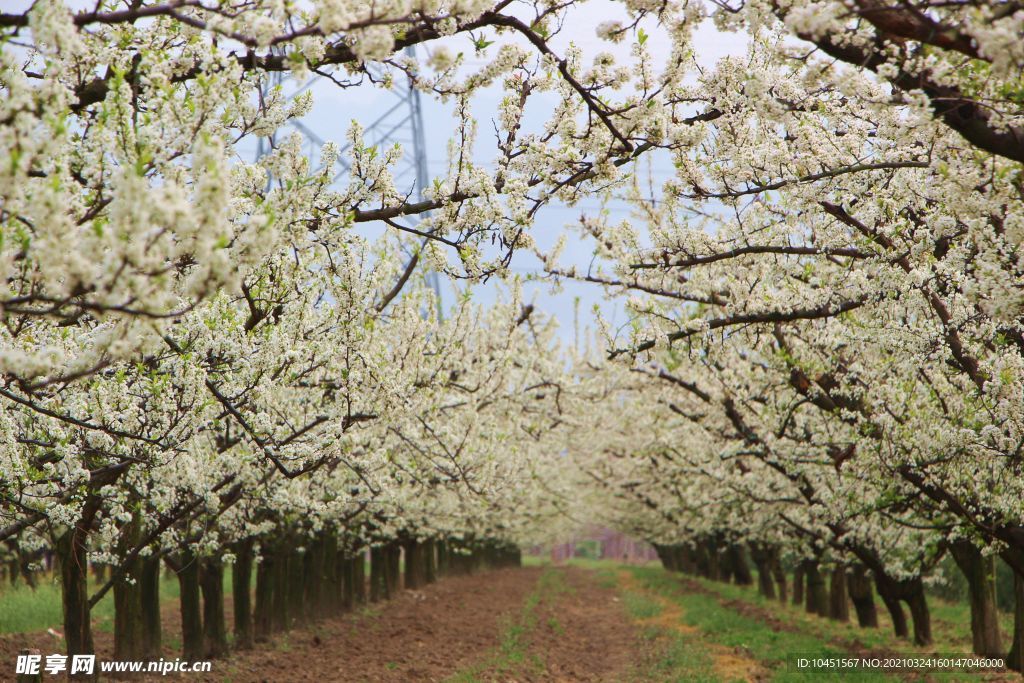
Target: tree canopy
[824,354]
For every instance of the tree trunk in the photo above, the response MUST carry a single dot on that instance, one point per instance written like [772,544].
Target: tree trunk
[863,596]
[128,628]
[359,578]
[429,561]
[12,571]
[713,561]
[887,589]
[980,574]
[1015,659]
[816,598]
[681,559]
[919,613]
[738,565]
[761,559]
[414,578]
[191,616]
[150,590]
[241,577]
[378,574]
[897,616]
[893,591]
[332,575]
[394,567]
[313,568]
[443,558]
[296,587]
[765,585]
[27,677]
[280,619]
[348,588]
[26,570]
[215,632]
[263,620]
[798,584]
[72,553]
[667,557]
[723,562]
[838,607]
[779,575]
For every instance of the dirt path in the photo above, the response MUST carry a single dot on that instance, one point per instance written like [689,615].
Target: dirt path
[419,636]
[571,628]
[588,636]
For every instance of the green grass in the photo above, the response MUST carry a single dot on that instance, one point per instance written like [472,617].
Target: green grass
[776,649]
[535,561]
[676,658]
[640,606]
[24,610]
[879,638]
[811,636]
[722,626]
[670,655]
[950,622]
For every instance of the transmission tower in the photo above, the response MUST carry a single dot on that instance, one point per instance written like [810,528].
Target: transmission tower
[400,122]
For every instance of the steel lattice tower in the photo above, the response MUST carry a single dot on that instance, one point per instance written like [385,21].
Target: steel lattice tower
[401,122]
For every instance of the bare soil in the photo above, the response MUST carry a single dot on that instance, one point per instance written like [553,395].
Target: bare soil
[454,625]
[424,635]
[584,634]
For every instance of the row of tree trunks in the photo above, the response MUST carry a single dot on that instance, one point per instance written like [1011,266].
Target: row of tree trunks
[826,595]
[714,559]
[295,585]
[894,592]
[298,579]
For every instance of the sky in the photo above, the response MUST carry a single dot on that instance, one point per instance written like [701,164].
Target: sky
[334,108]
